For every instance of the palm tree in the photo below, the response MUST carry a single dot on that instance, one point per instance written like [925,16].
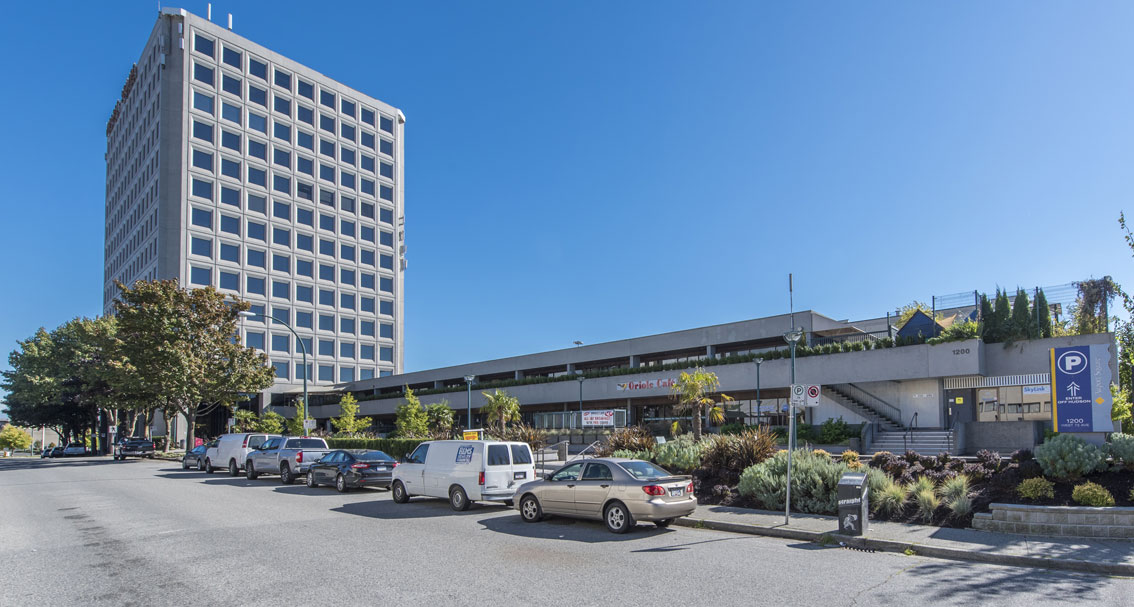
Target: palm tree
[693,392]
[500,405]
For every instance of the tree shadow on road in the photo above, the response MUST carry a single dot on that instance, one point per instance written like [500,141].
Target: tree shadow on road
[953,582]
[30,463]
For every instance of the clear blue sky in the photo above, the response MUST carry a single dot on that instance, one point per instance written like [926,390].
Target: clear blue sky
[595,171]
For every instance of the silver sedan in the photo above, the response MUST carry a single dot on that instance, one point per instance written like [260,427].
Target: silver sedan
[617,491]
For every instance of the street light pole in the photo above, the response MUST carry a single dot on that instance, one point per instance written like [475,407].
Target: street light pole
[469,379]
[792,337]
[581,380]
[302,348]
[758,361]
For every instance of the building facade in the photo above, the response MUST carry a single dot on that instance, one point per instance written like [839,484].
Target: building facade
[230,165]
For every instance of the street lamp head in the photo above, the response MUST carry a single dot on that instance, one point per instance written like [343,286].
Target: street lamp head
[470,379]
[793,336]
[758,361]
[246,314]
[577,342]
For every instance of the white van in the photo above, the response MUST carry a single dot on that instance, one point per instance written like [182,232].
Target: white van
[231,450]
[464,471]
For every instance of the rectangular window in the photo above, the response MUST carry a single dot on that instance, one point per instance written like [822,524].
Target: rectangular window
[282,368]
[230,168]
[230,252]
[327,173]
[304,319]
[346,228]
[386,307]
[346,349]
[326,347]
[257,122]
[366,304]
[386,261]
[387,354]
[305,165]
[281,343]
[326,247]
[346,277]
[232,57]
[366,280]
[305,242]
[346,373]
[327,99]
[366,257]
[257,176]
[258,311]
[305,89]
[326,373]
[346,325]
[326,322]
[230,225]
[368,116]
[258,149]
[257,231]
[257,204]
[386,170]
[347,205]
[387,125]
[230,112]
[305,114]
[304,293]
[282,105]
[203,131]
[202,218]
[281,289]
[254,340]
[366,351]
[230,140]
[387,330]
[304,191]
[327,123]
[346,180]
[386,284]
[257,258]
[281,210]
[201,246]
[326,297]
[365,373]
[281,236]
[254,285]
[387,193]
[231,84]
[281,263]
[346,252]
[347,131]
[305,216]
[366,328]
[257,95]
[203,73]
[368,210]
[386,216]
[305,140]
[281,183]
[327,272]
[304,267]
[367,163]
[347,107]
[202,160]
[282,131]
[230,196]
[386,238]
[346,155]
[258,68]
[283,79]
[367,186]
[327,148]
[327,197]
[367,139]
[346,301]
[203,102]
[281,157]
[387,147]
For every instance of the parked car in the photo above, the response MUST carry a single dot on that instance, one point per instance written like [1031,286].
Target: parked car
[354,468]
[290,457]
[464,471]
[74,449]
[46,453]
[231,450]
[135,446]
[194,458]
[618,491]
[56,452]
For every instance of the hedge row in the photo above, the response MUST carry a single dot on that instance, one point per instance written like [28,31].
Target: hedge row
[395,447]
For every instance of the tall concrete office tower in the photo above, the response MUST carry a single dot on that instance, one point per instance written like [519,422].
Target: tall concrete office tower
[230,165]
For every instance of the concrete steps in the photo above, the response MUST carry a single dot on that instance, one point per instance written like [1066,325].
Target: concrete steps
[925,442]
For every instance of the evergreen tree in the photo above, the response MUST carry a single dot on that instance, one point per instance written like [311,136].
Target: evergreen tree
[1043,315]
[1023,325]
[1001,317]
[987,332]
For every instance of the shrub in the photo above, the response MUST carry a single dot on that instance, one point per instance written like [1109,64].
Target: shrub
[1069,457]
[394,447]
[989,459]
[955,488]
[1132,494]
[732,428]
[1035,488]
[912,457]
[833,432]
[628,454]
[961,507]
[975,472]
[536,438]
[850,458]
[821,452]
[1121,448]
[890,499]
[681,454]
[927,503]
[725,456]
[880,459]
[1022,455]
[814,482]
[1091,494]
[631,438]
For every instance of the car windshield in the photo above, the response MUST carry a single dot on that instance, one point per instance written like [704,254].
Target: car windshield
[306,443]
[375,455]
[643,470]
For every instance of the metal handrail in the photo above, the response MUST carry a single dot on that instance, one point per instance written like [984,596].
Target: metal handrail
[583,453]
[892,413]
[541,453]
[866,435]
[907,436]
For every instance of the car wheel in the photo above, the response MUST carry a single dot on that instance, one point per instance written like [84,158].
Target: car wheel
[250,471]
[232,469]
[340,484]
[665,522]
[618,519]
[285,474]
[184,465]
[399,493]
[311,484]
[200,465]
[458,499]
[208,466]
[530,509]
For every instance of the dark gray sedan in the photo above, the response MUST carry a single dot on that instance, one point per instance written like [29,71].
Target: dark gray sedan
[194,458]
[350,469]
[620,492]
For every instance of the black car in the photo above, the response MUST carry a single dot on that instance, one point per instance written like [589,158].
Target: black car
[56,452]
[354,468]
[133,446]
[194,458]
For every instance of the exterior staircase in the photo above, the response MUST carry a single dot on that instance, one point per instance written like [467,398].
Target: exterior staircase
[925,442]
[843,397]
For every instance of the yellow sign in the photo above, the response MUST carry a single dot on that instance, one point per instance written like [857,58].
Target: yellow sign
[960,400]
[471,435]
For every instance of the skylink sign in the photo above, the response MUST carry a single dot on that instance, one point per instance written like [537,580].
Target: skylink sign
[1080,388]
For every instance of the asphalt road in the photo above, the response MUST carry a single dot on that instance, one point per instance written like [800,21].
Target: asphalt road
[95,531]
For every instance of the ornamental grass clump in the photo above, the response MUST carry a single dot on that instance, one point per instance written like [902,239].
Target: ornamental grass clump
[813,488]
[1092,494]
[725,456]
[955,488]
[890,499]
[1069,457]
[927,503]
[1036,488]
[631,438]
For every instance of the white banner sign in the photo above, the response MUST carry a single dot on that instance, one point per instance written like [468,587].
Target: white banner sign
[646,385]
[598,418]
[1037,389]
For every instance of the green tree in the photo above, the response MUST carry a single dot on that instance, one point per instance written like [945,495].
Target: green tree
[294,424]
[440,419]
[246,421]
[348,421]
[500,406]
[1023,324]
[1043,315]
[694,396]
[987,326]
[411,420]
[12,437]
[1001,325]
[183,347]
[907,311]
[270,423]
[1091,312]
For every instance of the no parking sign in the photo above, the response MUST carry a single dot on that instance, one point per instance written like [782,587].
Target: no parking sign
[805,395]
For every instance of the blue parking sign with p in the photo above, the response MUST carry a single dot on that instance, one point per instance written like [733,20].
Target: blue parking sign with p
[1071,389]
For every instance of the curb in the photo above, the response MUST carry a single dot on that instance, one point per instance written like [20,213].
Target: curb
[940,552]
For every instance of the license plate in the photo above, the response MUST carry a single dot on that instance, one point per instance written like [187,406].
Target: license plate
[519,475]
[677,492]
[382,469]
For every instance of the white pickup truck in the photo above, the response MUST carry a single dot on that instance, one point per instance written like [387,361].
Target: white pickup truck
[287,456]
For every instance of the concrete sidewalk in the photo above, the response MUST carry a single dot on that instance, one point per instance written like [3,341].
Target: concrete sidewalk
[1107,557]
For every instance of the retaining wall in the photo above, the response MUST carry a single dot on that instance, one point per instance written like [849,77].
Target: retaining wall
[1058,521]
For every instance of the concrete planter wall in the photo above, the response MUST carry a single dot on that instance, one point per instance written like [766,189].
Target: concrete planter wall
[1059,521]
